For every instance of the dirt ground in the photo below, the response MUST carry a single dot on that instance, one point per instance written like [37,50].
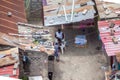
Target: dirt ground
[80,63]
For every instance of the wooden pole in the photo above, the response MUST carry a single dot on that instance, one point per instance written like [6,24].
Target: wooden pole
[62,26]
[65,13]
[73,4]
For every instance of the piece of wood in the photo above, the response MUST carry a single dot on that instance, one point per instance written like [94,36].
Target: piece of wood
[65,13]
[62,26]
[73,5]
[8,60]
[2,41]
[118,56]
[10,51]
[81,46]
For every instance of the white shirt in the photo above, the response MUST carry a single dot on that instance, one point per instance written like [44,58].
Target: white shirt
[59,35]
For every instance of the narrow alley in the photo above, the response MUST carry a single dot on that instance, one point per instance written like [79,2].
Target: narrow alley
[80,63]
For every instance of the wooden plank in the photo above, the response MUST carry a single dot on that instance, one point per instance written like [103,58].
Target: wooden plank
[8,60]
[9,42]
[15,50]
[118,56]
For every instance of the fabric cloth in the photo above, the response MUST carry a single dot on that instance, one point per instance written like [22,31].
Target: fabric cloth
[25,58]
[80,40]
[118,66]
[99,38]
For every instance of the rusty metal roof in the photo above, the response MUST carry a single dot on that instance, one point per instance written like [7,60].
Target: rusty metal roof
[8,24]
[67,11]
[107,9]
[8,71]
[110,47]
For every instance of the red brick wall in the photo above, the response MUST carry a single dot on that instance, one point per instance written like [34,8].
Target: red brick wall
[16,7]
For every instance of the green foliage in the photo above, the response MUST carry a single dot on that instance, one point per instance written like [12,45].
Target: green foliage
[36,42]
[25,78]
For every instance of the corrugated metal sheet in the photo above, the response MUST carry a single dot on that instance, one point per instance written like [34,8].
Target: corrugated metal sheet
[104,30]
[8,71]
[55,14]
[9,24]
[104,5]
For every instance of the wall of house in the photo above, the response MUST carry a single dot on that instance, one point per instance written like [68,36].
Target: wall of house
[38,64]
[34,10]
[8,24]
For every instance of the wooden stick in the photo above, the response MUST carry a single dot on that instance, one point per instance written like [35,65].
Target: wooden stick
[65,12]
[62,27]
[12,34]
[60,6]
[72,10]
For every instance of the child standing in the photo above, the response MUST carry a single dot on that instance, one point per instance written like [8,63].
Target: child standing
[56,46]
